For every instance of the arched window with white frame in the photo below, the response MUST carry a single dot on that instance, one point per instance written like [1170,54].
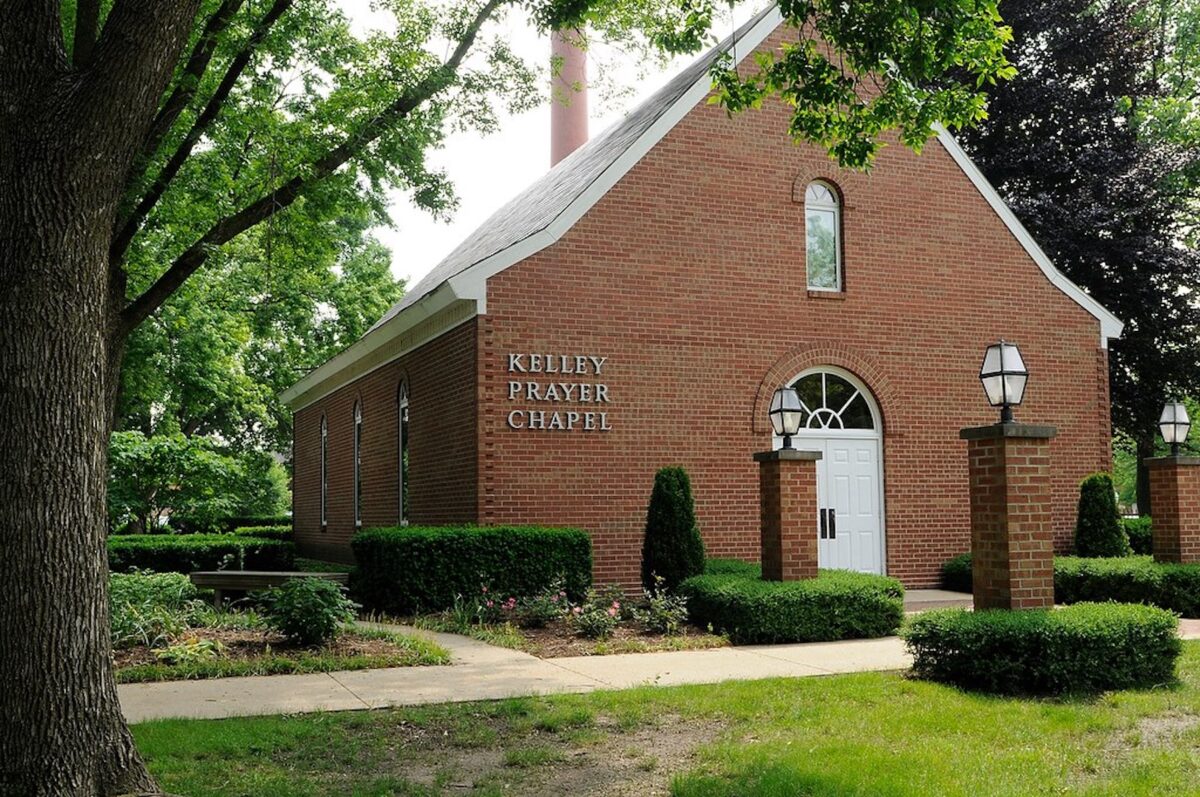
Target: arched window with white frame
[823,237]
[324,472]
[402,417]
[358,425]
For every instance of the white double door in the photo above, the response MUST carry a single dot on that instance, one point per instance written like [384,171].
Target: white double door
[849,522]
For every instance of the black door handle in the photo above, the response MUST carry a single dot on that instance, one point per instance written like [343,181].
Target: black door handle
[824,527]
[832,523]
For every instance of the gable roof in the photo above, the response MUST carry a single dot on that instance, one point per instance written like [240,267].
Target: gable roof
[542,213]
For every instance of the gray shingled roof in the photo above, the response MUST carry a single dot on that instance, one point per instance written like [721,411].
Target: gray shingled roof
[540,204]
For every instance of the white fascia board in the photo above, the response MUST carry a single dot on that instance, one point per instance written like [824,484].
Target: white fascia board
[425,307]
[1110,326]
[472,282]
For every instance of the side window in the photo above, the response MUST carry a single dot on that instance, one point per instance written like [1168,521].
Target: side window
[324,472]
[357,464]
[823,237]
[402,403]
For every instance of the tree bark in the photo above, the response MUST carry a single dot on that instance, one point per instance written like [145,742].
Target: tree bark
[68,137]
[1145,450]
[63,732]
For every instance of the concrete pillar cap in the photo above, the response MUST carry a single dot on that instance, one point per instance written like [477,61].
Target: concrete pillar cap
[997,430]
[786,454]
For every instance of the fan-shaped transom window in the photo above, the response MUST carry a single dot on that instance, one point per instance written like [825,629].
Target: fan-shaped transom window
[823,234]
[829,401]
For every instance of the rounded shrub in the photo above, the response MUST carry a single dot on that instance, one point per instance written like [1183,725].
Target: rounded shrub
[308,610]
[1098,529]
[672,548]
[837,604]
[1139,532]
[1082,649]
[956,573]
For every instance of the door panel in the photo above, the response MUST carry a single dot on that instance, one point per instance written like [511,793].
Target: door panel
[848,484]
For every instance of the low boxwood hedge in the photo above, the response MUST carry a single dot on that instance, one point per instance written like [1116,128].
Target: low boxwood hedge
[838,604]
[265,532]
[1137,529]
[1081,649]
[1128,579]
[422,568]
[184,553]
[1125,579]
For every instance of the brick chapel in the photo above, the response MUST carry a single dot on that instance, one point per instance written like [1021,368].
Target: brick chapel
[638,305]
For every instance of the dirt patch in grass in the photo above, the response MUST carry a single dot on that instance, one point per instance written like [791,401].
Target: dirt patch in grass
[599,757]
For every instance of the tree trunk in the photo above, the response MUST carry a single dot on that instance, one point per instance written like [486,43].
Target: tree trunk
[1145,450]
[63,733]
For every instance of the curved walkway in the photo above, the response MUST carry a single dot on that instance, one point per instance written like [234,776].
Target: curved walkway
[484,672]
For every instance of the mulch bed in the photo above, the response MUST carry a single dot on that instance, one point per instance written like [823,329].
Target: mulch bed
[557,639]
[253,644]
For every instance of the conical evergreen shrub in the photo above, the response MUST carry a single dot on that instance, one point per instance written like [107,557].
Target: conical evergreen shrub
[672,548]
[1098,529]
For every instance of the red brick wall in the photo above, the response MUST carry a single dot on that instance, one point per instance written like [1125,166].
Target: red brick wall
[443,453]
[689,276]
[1175,496]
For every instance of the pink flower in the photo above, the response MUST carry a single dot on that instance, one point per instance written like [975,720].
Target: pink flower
[490,604]
[577,609]
[485,588]
[616,605]
[612,612]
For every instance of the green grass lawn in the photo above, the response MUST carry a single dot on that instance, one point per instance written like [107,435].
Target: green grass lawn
[865,734]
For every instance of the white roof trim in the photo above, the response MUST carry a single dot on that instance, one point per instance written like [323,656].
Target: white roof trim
[471,283]
[1110,325]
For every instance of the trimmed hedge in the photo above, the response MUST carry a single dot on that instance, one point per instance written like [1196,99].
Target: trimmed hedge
[1081,649]
[422,568]
[1138,530]
[1125,579]
[956,573]
[1128,579]
[230,524]
[184,553]
[838,604]
[265,532]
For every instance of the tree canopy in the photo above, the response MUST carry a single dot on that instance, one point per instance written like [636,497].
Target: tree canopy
[1090,147]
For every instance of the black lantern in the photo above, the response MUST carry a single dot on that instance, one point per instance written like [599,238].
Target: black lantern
[1174,424]
[1004,376]
[786,413]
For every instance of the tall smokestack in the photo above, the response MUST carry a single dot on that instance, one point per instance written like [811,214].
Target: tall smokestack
[568,96]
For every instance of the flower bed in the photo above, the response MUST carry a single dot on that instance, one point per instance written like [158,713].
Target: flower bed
[163,630]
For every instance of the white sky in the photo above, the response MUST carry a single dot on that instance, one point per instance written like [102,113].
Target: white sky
[488,171]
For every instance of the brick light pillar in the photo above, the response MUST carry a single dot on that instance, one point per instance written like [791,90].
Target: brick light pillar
[787,483]
[1175,502]
[1012,551]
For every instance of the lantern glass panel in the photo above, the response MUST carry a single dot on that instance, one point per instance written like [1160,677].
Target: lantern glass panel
[1174,423]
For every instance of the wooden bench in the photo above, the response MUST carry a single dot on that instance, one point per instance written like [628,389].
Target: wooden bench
[248,580]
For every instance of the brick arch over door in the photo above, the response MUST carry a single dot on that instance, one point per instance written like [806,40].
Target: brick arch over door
[815,355]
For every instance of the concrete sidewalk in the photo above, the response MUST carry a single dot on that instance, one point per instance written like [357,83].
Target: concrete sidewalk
[484,672]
